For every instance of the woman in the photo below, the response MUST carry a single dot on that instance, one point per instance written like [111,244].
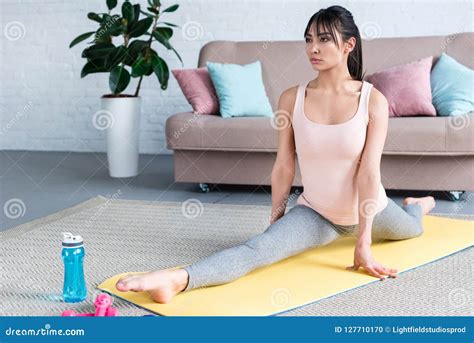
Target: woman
[339,155]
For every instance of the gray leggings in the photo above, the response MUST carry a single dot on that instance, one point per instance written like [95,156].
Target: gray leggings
[300,229]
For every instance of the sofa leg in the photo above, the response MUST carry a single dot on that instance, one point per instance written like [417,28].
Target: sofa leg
[204,187]
[455,195]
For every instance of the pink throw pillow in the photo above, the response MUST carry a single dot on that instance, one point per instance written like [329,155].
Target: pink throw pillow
[197,87]
[407,88]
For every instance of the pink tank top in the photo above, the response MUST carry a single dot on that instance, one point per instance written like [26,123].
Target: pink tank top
[329,157]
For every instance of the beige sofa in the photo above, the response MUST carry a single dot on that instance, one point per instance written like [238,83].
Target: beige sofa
[420,153]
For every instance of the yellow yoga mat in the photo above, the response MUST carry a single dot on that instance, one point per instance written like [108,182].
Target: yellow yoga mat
[307,277]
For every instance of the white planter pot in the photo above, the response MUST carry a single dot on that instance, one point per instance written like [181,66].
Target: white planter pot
[122,130]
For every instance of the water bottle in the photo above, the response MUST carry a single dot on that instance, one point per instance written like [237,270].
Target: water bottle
[74,289]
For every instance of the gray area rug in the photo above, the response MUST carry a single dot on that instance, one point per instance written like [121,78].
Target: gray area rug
[128,235]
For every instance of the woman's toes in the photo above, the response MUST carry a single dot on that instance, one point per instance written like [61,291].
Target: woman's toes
[159,284]
[129,284]
[122,282]
[122,286]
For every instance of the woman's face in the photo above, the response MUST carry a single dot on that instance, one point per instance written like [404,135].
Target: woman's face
[323,52]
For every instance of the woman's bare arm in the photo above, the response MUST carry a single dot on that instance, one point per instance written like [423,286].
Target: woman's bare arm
[283,171]
[369,177]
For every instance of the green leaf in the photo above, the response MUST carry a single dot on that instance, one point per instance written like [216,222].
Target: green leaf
[93,67]
[169,24]
[153,10]
[134,49]
[162,40]
[128,12]
[116,57]
[116,30]
[102,39]
[105,17]
[161,70]
[147,14]
[94,16]
[136,15]
[166,32]
[140,27]
[156,2]
[149,65]
[171,8]
[139,67]
[150,2]
[111,4]
[119,79]
[138,44]
[80,38]
[162,34]
[98,50]
[149,70]
[111,27]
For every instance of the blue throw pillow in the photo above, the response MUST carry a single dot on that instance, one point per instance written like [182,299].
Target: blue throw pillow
[452,87]
[240,89]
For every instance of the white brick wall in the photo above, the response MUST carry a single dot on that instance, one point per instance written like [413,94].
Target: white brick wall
[45,105]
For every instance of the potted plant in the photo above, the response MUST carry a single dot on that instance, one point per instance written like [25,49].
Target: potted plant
[134,57]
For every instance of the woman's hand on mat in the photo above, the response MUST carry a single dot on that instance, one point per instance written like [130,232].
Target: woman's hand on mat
[363,258]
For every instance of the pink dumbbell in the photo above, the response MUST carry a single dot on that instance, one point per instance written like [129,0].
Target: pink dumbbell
[102,308]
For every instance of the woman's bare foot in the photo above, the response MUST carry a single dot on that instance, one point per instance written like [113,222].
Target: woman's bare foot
[162,285]
[426,203]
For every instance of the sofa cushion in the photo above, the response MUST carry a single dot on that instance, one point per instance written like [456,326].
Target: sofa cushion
[452,87]
[240,89]
[196,85]
[406,135]
[406,87]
